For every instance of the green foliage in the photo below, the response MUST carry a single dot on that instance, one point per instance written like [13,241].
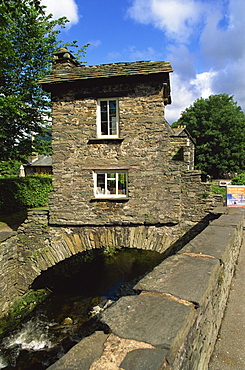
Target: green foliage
[239,179]
[10,168]
[22,308]
[29,38]
[42,143]
[111,250]
[205,194]
[77,53]
[217,125]
[25,192]
[221,190]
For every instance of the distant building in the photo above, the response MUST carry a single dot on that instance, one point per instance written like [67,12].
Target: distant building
[40,164]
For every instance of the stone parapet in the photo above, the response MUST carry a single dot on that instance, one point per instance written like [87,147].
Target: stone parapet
[37,246]
[182,300]
[173,323]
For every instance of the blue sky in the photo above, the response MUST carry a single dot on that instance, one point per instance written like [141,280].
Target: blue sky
[204,40]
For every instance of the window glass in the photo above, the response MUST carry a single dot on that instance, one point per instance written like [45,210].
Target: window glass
[110,184]
[108,118]
[100,183]
[122,182]
[112,117]
[104,117]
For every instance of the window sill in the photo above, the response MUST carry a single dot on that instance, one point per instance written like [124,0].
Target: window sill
[105,140]
[110,199]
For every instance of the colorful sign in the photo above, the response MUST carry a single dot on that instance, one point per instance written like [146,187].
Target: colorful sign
[235,196]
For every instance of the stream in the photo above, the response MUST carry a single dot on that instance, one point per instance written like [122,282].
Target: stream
[80,290]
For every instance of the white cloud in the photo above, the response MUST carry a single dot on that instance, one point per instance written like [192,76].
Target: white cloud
[95,43]
[182,97]
[205,44]
[185,92]
[182,61]
[222,46]
[231,80]
[177,18]
[146,54]
[202,84]
[223,37]
[61,8]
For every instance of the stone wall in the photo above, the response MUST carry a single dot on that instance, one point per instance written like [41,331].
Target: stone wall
[174,322]
[143,151]
[8,273]
[146,148]
[185,149]
[17,270]
[181,302]
[39,246]
[196,197]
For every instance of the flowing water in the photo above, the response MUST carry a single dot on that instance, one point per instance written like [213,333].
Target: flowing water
[79,290]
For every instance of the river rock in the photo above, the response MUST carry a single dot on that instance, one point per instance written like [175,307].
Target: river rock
[67,321]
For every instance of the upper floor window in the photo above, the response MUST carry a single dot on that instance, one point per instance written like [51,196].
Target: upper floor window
[109,184]
[107,118]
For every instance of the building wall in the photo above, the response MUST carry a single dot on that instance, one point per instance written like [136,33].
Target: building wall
[148,148]
[146,151]
[29,170]
[184,152]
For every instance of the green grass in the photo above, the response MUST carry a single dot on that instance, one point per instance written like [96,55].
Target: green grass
[216,189]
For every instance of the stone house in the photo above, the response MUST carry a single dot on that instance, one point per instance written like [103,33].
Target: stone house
[116,160]
[41,164]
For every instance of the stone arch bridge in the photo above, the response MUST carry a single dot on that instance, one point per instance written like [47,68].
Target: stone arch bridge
[37,246]
[180,304]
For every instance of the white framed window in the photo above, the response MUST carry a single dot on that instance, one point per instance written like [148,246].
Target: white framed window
[107,118]
[110,184]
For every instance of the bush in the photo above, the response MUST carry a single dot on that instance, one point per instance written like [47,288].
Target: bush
[221,190]
[239,179]
[9,168]
[24,192]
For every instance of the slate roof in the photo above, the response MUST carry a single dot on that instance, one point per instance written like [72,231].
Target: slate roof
[41,161]
[181,131]
[107,71]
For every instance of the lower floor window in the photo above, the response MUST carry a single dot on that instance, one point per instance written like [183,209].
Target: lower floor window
[110,184]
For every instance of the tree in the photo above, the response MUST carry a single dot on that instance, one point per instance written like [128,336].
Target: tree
[42,144]
[239,179]
[217,124]
[29,38]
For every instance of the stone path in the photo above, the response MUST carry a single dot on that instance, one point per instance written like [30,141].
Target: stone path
[229,352]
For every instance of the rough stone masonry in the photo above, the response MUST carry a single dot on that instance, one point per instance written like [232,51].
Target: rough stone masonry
[161,187]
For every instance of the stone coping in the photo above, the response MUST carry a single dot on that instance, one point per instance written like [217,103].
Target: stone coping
[174,321]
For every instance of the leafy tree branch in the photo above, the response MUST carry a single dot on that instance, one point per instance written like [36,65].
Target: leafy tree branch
[29,38]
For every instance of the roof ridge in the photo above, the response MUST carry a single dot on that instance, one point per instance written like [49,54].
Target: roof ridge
[108,70]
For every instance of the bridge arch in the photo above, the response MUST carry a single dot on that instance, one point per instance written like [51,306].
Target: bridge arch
[67,242]
[38,246]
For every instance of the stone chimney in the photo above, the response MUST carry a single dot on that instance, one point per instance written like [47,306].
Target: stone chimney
[64,60]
